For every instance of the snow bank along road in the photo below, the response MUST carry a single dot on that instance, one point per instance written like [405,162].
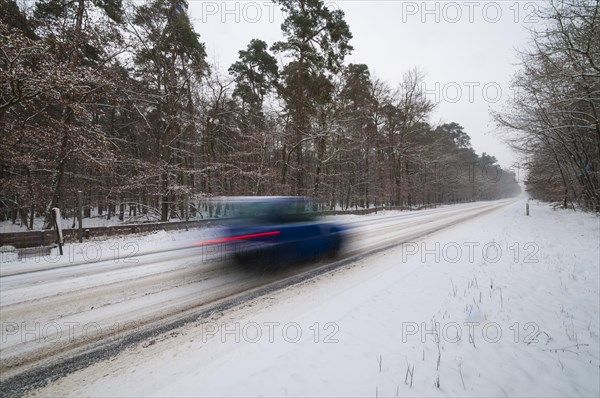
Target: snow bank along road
[57,317]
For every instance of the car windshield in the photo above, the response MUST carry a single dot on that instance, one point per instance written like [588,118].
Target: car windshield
[280,210]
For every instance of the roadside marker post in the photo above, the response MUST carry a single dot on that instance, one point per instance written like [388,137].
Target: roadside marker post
[59,235]
[80,214]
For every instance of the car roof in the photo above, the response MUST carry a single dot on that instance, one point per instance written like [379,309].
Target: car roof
[255,199]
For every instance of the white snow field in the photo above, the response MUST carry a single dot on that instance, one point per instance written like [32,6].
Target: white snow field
[498,305]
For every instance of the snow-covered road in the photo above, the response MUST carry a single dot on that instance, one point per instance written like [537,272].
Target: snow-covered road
[379,304]
[53,307]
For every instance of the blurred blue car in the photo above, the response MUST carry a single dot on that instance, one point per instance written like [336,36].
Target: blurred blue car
[279,230]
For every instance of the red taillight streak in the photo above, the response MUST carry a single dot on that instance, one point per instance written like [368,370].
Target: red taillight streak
[248,236]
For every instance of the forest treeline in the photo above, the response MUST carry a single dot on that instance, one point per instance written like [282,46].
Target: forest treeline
[554,119]
[117,100]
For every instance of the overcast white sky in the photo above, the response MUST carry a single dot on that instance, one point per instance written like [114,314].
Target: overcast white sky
[465,48]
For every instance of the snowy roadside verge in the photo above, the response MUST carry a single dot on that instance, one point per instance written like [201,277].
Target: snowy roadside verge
[118,249]
[450,315]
